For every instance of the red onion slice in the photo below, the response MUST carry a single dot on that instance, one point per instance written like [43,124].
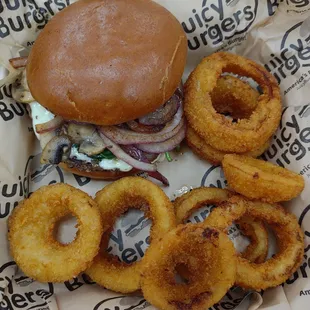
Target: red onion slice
[158,176]
[139,155]
[53,124]
[120,154]
[135,153]
[127,137]
[165,146]
[18,62]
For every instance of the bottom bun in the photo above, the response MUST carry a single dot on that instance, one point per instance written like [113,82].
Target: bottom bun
[99,175]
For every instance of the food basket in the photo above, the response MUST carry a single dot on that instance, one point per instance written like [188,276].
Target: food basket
[273,33]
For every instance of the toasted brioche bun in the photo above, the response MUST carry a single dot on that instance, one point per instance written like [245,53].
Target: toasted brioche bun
[107,62]
[99,175]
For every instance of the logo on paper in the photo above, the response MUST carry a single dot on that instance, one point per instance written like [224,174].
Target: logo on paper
[130,250]
[231,300]
[14,297]
[12,193]
[214,177]
[122,303]
[134,222]
[9,109]
[34,176]
[272,6]
[42,174]
[218,21]
[305,215]
[298,3]
[77,282]
[292,6]
[297,6]
[293,58]
[32,14]
[292,142]
[303,271]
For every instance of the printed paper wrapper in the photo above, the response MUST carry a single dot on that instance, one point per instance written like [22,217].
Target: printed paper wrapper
[274,33]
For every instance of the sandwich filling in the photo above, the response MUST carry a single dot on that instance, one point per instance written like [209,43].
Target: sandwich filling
[135,144]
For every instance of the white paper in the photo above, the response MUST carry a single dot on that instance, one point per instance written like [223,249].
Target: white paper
[274,33]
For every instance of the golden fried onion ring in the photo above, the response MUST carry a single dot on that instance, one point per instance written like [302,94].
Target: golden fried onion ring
[255,230]
[212,155]
[113,201]
[191,201]
[31,233]
[218,131]
[234,96]
[290,239]
[258,179]
[208,255]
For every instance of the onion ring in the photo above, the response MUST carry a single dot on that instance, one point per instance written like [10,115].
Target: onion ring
[218,131]
[234,96]
[290,239]
[31,228]
[114,200]
[186,204]
[258,179]
[210,258]
[212,155]
[255,230]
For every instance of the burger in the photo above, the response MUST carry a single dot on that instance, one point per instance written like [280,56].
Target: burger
[103,83]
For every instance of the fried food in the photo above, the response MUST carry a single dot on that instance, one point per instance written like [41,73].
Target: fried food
[258,179]
[237,98]
[253,229]
[213,155]
[234,96]
[188,203]
[207,254]
[256,231]
[31,233]
[290,239]
[217,130]
[113,201]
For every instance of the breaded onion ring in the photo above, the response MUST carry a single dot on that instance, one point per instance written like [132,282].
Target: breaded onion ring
[290,240]
[31,233]
[258,179]
[212,155]
[234,96]
[208,255]
[255,230]
[191,201]
[218,131]
[113,201]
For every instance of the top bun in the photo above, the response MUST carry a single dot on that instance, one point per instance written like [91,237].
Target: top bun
[106,62]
